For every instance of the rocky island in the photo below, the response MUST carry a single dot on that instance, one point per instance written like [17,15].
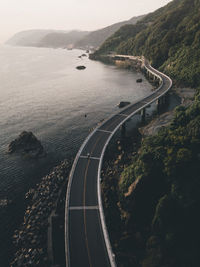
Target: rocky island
[80,67]
[28,145]
[123,104]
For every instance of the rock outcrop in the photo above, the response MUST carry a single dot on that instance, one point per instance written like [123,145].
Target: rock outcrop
[28,145]
[154,126]
[186,94]
[81,67]
[122,104]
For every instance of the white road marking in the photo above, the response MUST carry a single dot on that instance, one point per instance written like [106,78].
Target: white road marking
[86,157]
[104,131]
[84,208]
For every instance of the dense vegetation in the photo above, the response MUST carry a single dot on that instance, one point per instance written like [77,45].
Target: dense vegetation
[169,38]
[126,32]
[158,197]
[117,38]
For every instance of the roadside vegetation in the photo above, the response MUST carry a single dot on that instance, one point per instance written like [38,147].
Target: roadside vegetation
[155,201]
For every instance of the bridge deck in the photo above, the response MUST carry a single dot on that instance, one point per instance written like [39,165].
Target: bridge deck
[87,244]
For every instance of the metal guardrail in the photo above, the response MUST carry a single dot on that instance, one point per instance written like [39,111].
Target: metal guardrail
[102,217]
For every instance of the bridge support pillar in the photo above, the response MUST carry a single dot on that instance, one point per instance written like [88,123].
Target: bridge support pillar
[123,130]
[158,82]
[158,105]
[163,100]
[143,114]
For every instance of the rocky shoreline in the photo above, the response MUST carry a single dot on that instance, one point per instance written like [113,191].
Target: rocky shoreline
[31,239]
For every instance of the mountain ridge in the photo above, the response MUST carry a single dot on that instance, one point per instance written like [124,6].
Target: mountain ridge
[45,38]
[71,38]
[97,37]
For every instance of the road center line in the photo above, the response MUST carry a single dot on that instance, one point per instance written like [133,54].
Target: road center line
[84,201]
[84,215]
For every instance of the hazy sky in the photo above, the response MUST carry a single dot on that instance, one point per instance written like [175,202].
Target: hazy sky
[18,15]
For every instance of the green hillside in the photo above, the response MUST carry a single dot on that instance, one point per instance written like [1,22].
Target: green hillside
[128,31]
[169,38]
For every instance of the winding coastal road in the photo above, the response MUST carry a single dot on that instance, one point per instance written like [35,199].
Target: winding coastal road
[86,238]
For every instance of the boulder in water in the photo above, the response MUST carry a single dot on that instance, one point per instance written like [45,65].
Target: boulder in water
[122,104]
[27,144]
[81,67]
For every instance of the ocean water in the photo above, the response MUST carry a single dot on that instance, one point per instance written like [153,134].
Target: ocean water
[42,91]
